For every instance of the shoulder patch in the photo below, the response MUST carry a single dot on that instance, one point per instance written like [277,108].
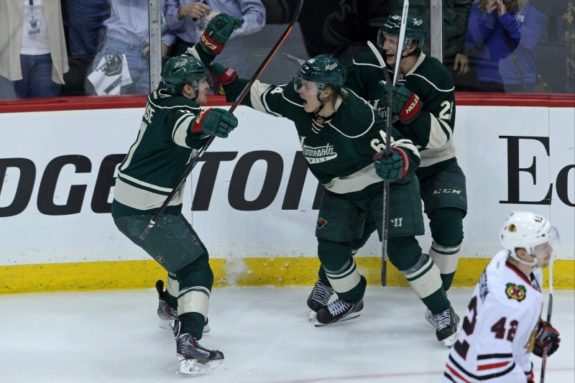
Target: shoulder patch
[517,292]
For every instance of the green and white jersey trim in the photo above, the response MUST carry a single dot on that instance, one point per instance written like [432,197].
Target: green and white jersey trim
[144,196]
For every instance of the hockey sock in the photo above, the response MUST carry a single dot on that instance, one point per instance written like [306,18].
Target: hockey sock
[425,280]
[341,270]
[446,226]
[172,292]
[446,259]
[192,323]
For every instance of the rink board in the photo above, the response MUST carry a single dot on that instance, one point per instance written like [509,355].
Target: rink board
[254,204]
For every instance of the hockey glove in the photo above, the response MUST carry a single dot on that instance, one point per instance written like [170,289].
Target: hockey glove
[545,336]
[393,166]
[224,75]
[405,104]
[218,32]
[214,122]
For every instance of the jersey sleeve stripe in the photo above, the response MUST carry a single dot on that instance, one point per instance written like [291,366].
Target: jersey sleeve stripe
[181,127]
[494,356]
[438,134]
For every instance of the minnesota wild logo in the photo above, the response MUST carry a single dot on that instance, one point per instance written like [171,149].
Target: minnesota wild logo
[113,65]
[517,292]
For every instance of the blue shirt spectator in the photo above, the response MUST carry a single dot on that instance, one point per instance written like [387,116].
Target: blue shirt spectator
[493,32]
[519,70]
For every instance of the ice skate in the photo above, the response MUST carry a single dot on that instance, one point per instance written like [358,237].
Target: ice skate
[195,359]
[319,296]
[338,311]
[446,326]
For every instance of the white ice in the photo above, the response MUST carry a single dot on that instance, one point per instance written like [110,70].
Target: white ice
[264,332]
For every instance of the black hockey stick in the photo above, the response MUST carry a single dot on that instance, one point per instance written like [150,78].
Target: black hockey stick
[549,310]
[198,154]
[389,87]
[385,218]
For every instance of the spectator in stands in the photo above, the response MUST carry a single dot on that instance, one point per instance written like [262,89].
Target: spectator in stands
[122,65]
[494,31]
[84,25]
[33,51]
[519,70]
[187,20]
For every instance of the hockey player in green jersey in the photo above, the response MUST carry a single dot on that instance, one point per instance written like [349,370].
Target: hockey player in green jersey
[423,108]
[173,128]
[343,139]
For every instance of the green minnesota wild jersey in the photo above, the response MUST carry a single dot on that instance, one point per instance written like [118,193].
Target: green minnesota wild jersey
[157,159]
[339,151]
[432,130]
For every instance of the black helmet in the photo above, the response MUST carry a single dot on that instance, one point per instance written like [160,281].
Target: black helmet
[181,70]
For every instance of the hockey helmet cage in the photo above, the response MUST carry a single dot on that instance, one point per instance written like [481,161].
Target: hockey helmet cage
[181,70]
[323,70]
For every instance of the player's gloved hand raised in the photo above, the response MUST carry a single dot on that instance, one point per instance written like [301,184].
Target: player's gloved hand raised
[404,104]
[392,166]
[224,75]
[218,32]
[214,122]
[546,336]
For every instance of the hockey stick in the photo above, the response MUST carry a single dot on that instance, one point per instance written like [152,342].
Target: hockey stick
[198,154]
[389,87]
[549,310]
[385,218]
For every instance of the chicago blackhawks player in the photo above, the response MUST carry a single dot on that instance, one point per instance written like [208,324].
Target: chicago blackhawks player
[502,325]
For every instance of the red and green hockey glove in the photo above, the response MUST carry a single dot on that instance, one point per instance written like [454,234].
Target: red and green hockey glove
[393,166]
[405,104]
[224,75]
[218,32]
[214,122]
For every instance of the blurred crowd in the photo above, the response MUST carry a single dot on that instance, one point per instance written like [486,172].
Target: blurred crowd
[51,48]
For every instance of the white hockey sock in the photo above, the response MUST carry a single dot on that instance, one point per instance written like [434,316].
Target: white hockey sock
[424,277]
[445,257]
[344,280]
[195,299]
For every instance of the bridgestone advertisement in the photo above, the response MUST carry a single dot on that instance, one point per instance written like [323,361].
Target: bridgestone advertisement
[251,194]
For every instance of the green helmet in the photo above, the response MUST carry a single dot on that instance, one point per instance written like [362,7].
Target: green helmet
[323,70]
[414,29]
[181,70]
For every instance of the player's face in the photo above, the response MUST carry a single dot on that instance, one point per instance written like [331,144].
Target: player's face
[543,254]
[308,92]
[390,47]
[202,91]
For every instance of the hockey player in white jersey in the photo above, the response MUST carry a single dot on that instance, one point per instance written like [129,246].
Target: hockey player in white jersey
[503,322]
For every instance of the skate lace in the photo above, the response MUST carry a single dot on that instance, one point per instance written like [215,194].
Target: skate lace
[443,319]
[321,292]
[338,307]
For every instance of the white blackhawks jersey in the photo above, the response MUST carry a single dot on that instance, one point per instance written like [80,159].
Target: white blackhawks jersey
[496,338]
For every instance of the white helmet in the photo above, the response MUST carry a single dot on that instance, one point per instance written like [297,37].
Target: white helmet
[524,229]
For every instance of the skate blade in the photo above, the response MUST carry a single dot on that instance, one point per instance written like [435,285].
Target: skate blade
[195,367]
[344,319]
